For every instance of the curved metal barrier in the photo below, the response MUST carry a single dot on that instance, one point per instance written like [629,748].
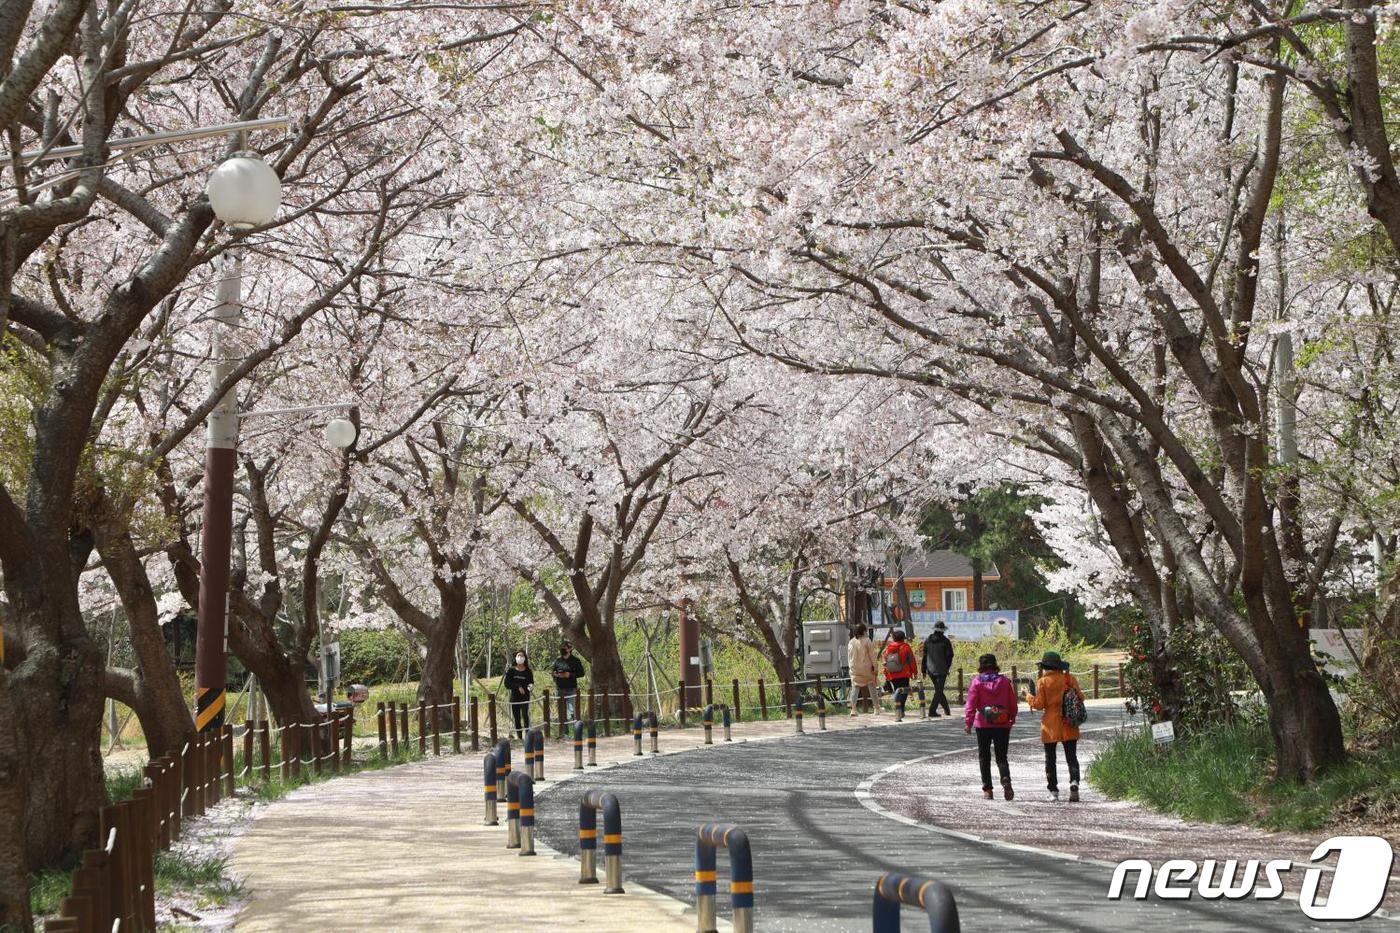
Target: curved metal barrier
[592,731]
[488,777]
[588,808]
[534,754]
[894,888]
[708,838]
[649,719]
[709,721]
[520,812]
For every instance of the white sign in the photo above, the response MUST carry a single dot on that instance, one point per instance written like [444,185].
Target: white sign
[1330,642]
[1163,732]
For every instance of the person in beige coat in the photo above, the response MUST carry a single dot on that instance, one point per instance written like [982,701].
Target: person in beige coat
[862,658]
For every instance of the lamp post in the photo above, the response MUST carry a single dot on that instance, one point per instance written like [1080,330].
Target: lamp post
[245,193]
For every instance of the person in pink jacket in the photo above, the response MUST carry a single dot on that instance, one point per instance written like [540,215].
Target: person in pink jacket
[991,708]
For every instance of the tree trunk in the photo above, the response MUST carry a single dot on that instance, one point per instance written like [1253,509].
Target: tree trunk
[14,867]
[283,680]
[1303,719]
[435,684]
[607,672]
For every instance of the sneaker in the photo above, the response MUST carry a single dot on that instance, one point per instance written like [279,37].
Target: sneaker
[934,715]
[1074,793]
[1054,795]
[1006,790]
[987,793]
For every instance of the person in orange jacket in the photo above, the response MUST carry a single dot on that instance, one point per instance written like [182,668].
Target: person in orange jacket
[900,668]
[1049,695]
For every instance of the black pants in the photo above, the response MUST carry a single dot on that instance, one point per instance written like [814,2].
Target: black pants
[896,685]
[986,740]
[520,712]
[939,697]
[1052,778]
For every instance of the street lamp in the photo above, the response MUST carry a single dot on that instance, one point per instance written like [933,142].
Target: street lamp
[244,192]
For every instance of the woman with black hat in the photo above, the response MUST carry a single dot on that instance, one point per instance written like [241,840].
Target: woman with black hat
[991,707]
[1049,695]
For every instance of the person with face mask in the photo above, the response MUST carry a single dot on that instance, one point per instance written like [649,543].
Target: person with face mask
[567,672]
[520,683]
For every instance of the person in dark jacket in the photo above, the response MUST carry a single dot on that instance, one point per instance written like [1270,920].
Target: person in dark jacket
[567,672]
[937,661]
[520,683]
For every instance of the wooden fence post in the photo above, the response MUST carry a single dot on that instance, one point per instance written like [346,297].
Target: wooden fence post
[230,779]
[437,730]
[476,725]
[544,709]
[491,717]
[422,727]
[735,685]
[383,731]
[1014,678]
[960,685]
[393,713]
[762,700]
[286,754]
[349,737]
[265,744]
[456,725]
[248,746]
[680,701]
[316,764]
[1122,687]
[787,697]
[1096,681]
[403,724]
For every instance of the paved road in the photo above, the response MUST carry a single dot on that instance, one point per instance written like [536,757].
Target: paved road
[817,850]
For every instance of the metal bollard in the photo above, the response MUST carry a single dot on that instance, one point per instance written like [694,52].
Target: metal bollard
[529,744]
[578,745]
[821,708]
[537,736]
[895,888]
[592,744]
[488,778]
[655,730]
[588,808]
[797,718]
[707,839]
[637,733]
[707,719]
[502,756]
[520,812]
[724,712]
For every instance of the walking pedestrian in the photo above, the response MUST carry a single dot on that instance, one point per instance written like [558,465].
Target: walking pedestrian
[860,658]
[937,662]
[567,672]
[1049,694]
[900,668]
[520,682]
[991,708]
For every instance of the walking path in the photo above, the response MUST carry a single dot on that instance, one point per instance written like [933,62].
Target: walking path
[405,848]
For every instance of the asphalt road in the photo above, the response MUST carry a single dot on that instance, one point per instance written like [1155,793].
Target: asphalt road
[817,851]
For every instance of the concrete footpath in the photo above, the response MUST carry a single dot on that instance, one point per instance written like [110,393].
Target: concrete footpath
[404,848]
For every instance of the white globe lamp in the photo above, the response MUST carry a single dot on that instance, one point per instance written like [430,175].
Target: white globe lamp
[341,433]
[244,191]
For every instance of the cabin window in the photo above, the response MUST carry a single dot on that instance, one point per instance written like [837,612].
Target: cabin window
[955,600]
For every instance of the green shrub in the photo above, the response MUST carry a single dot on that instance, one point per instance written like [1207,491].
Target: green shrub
[376,656]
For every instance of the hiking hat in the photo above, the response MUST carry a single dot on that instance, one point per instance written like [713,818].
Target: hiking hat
[1050,661]
[940,626]
[987,662]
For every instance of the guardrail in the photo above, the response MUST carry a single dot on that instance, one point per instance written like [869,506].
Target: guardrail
[580,727]
[893,889]
[588,808]
[708,720]
[709,838]
[649,719]
[520,812]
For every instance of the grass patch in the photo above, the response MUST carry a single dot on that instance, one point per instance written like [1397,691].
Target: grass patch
[46,890]
[206,880]
[1225,775]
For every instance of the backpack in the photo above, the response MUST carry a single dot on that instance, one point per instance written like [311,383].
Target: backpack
[1072,708]
[894,663]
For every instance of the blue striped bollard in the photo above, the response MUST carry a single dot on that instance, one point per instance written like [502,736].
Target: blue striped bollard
[502,756]
[592,744]
[488,778]
[797,716]
[536,736]
[724,713]
[893,889]
[821,711]
[707,719]
[520,812]
[637,733]
[529,743]
[588,808]
[655,730]
[578,745]
[708,838]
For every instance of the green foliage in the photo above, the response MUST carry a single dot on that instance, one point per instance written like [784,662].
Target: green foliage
[1025,652]
[47,890]
[206,879]
[1221,774]
[1372,715]
[1204,663]
[376,656]
[121,783]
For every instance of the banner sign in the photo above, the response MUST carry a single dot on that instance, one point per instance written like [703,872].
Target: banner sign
[970,625]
